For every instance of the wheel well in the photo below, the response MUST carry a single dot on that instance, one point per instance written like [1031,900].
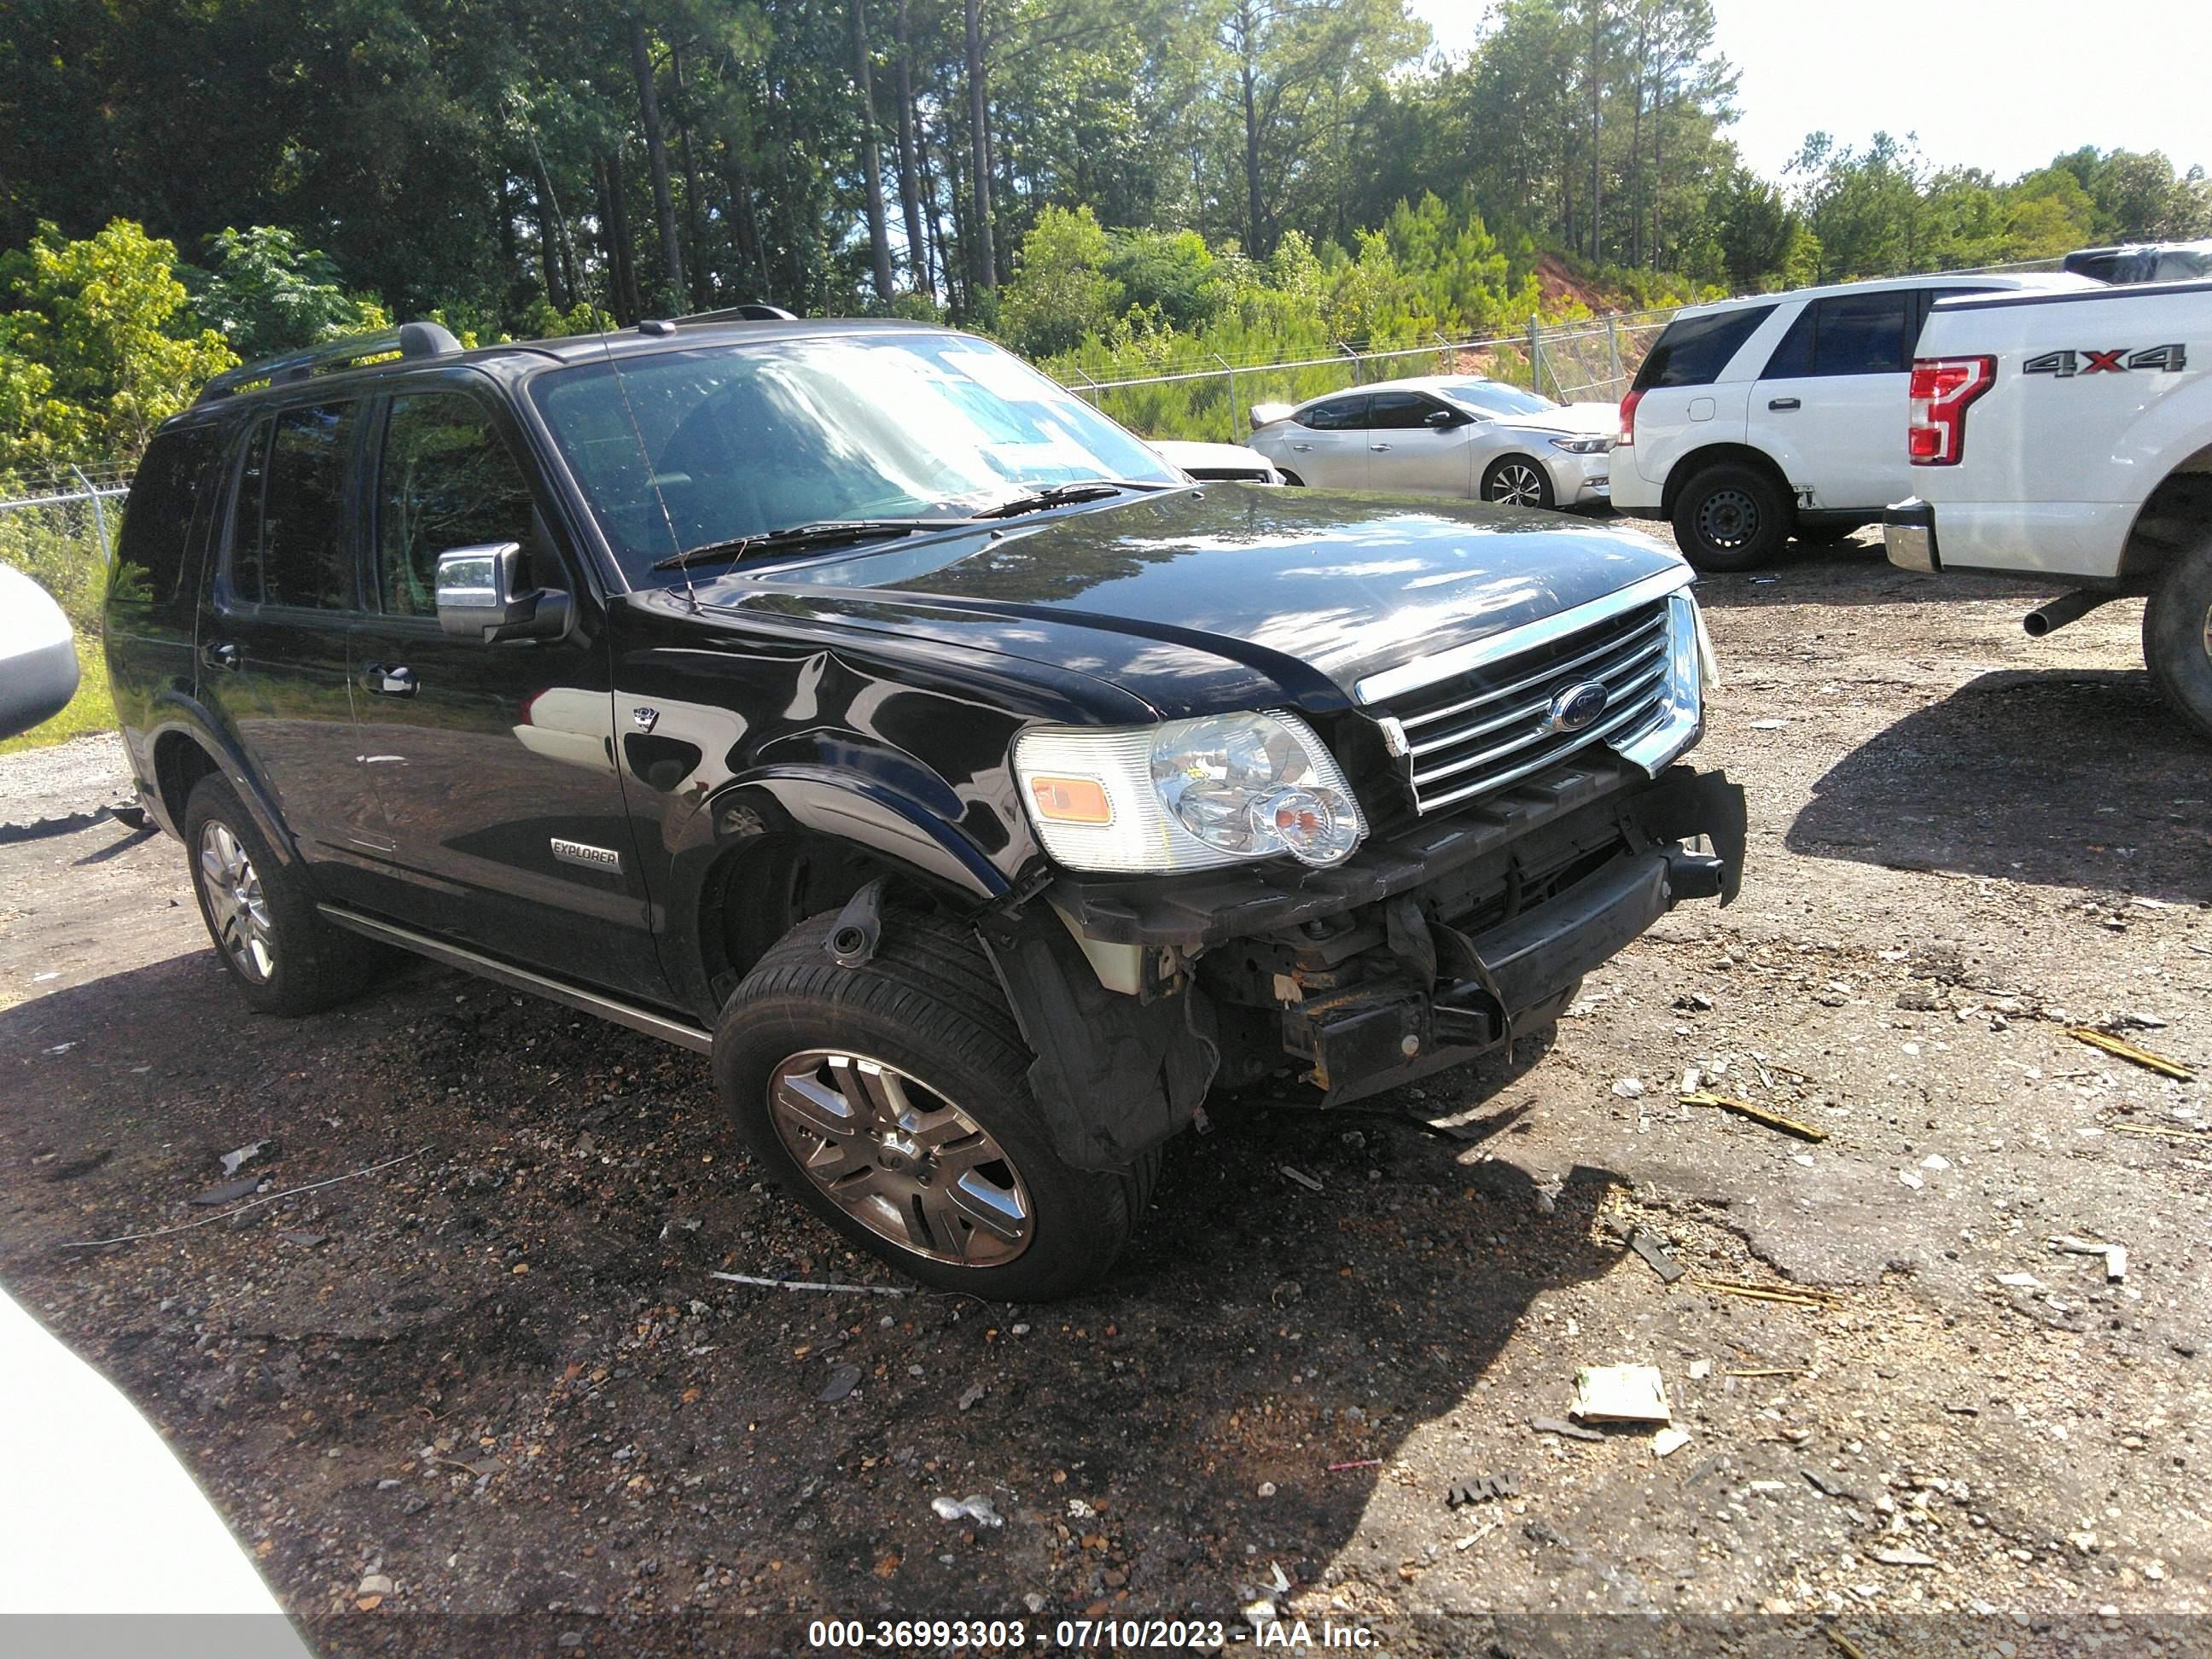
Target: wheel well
[759,891]
[2175,520]
[1696,461]
[1291,479]
[179,763]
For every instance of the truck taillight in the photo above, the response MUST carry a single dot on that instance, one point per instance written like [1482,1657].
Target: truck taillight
[1627,438]
[1942,389]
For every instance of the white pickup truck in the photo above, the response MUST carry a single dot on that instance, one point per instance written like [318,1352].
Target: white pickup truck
[2069,436]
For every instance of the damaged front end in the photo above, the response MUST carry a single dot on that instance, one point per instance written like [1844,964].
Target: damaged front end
[1428,947]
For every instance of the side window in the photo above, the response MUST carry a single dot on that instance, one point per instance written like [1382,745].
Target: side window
[287,541]
[1793,358]
[1337,414]
[1400,412]
[447,481]
[169,500]
[1694,351]
[1861,334]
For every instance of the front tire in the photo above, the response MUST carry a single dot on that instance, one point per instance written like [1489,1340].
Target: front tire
[1516,481]
[2177,635]
[893,1100]
[1731,517]
[283,958]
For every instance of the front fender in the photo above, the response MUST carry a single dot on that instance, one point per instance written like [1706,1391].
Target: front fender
[862,812]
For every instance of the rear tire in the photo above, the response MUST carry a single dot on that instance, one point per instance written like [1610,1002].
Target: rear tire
[2177,635]
[1516,481]
[282,955]
[893,1100]
[1731,517]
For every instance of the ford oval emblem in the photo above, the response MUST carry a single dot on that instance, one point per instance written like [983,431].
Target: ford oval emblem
[1576,708]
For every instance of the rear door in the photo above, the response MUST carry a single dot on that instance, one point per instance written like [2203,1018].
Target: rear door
[493,763]
[1829,407]
[1682,404]
[1326,444]
[1407,454]
[275,665]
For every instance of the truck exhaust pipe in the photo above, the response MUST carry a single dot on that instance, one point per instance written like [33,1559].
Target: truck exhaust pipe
[2066,608]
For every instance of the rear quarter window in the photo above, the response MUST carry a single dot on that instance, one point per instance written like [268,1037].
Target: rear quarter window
[164,521]
[1694,351]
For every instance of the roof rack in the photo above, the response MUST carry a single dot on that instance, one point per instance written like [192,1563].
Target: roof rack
[408,340]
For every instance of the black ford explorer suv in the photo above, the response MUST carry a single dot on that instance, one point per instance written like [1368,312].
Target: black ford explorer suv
[848,702]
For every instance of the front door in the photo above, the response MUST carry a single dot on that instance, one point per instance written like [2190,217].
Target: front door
[1416,447]
[494,762]
[1830,407]
[274,647]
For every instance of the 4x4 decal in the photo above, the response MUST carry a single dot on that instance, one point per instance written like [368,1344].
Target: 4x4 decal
[2163,359]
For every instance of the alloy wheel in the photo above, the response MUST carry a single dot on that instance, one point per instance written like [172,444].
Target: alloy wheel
[900,1158]
[1515,484]
[243,924]
[1728,519]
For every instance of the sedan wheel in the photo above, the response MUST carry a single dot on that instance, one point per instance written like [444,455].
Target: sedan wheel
[1517,482]
[899,1159]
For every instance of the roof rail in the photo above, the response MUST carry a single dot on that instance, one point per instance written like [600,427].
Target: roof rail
[753,311]
[408,340]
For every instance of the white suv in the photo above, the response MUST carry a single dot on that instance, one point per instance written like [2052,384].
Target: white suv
[1758,419]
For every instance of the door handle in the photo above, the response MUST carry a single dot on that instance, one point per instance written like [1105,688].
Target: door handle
[1782,402]
[1301,448]
[222,654]
[1378,448]
[388,680]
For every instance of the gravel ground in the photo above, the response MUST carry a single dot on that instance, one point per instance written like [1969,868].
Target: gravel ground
[64,780]
[499,1375]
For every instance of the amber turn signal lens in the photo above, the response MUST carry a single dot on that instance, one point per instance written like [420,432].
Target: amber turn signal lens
[1071,800]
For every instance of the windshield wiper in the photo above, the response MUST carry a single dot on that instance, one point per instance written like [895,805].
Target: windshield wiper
[825,533]
[1061,495]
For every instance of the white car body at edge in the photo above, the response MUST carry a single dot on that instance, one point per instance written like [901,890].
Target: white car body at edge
[101,1517]
[1443,434]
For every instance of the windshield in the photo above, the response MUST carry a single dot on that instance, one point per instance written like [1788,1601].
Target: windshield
[743,440]
[1496,397]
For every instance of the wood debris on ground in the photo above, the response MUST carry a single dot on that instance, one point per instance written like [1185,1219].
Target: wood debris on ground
[1795,1295]
[2128,1052]
[1789,1126]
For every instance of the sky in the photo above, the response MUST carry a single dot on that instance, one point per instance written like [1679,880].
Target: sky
[2003,85]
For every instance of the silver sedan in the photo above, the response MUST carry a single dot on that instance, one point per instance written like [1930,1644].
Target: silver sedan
[1443,435]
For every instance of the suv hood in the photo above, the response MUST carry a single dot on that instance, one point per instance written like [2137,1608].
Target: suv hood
[1200,599]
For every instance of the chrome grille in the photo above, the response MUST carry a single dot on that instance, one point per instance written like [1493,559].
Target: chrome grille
[1492,726]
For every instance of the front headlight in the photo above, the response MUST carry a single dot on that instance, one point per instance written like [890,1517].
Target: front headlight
[1582,446]
[1188,794]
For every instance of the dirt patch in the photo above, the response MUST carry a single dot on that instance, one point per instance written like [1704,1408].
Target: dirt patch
[500,1374]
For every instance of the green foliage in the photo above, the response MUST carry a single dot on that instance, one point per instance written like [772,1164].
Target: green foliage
[1060,293]
[541,322]
[99,351]
[266,294]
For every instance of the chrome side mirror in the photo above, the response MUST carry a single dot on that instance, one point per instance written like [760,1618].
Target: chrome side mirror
[480,596]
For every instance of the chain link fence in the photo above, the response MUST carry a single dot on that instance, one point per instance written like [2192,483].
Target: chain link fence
[1588,360]
[58,528]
